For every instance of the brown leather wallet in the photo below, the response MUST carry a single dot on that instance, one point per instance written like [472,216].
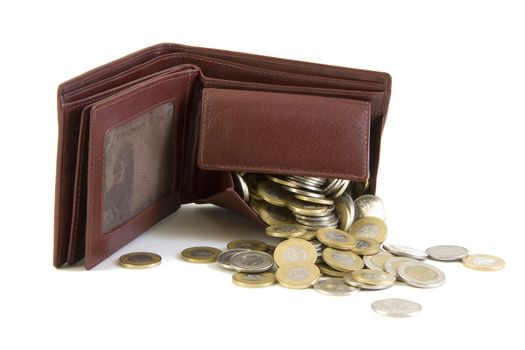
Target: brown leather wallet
[167,125]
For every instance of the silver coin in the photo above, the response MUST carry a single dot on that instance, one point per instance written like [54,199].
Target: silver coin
[319,224]
[370,205]
[339,189]
[241,187]
[304,193]
[402,250]
[447,252]
[303,185]
[252,261]
[314,181]
[329,217]
[224,257]
[334,286]
[352,282]
[396,307]
[421,275]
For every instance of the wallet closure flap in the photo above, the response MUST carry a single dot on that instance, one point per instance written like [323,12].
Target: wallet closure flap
[284,133]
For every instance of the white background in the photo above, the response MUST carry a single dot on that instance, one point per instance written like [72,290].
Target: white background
[451,173]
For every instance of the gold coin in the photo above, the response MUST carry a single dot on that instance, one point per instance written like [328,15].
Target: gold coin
[309,209]
[369,227]
[335,238]
[280,181]
[374,277]
[325,201]
[273,193]
[327,270]
[309,235]
[139,260]
[295,250]
[251,244]
[273,215]
[366,246]
[298,275]
[255,205]
[200,255]
[342,260]
[285,231]
[253,280]
[484,262]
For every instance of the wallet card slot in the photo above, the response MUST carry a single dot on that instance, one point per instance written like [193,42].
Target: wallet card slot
[135,161]
[78,220]
[283,133]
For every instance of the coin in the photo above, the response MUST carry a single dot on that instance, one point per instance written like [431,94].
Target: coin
[392,264]
[346,210]
[402,250]
[446,252]
[369,227]
[327,270]
[298,275]
[240,187]
[370,206]
[373,277]
[420,274]
[251,244]
[139,260]
[334,286]
[200,255]
[335,238]
[295,250]
[251,181]
[342,260]
[224,257]
[309,235]
[310,209]
[273,193]
[280,180]
[366,246]
[484,262]
[308,194]
[396,307]
[273,215]
[320,199]
[285,231]
[255,205]
[337,189]
[377,261]
[347,278]
[253,280]
[252,261]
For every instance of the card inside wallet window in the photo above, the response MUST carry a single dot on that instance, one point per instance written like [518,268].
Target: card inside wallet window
[167,125]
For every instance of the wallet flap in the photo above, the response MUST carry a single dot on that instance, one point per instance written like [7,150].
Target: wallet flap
[284,133]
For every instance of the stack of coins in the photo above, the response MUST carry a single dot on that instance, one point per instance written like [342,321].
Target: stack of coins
[310,202]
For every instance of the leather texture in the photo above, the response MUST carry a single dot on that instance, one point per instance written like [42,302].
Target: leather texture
[232,112]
